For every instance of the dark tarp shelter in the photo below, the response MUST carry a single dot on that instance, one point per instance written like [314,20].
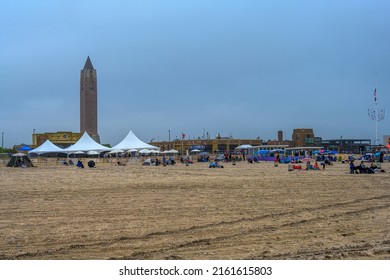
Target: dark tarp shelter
[20,160]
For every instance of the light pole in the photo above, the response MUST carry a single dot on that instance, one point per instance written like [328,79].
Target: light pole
[169,139]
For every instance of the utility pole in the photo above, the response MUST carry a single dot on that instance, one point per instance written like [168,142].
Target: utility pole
[169,139]
[2,140]
[33,137]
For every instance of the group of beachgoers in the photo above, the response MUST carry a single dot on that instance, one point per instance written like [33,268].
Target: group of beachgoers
[79,163]
[363,169]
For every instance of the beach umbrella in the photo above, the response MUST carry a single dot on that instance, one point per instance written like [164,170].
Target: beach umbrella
[203,153]
[116,151]
[25,148]
[172,152]
[263,152]
[243,147]
[316,152]
[92,153]
[78,153]
[195,151]
[145,151]
[19,155]
[277,151]
[132,151]
[333,152]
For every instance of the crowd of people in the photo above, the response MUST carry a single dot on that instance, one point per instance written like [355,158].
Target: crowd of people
[363,169]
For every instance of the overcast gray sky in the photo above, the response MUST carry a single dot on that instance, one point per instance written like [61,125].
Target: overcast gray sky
[245,68]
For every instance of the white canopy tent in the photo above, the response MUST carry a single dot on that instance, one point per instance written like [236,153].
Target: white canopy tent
[133,142]
[86,144]
[46,147]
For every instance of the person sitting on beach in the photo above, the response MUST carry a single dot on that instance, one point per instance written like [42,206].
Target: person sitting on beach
[215,164]
[373,168]
[362,168]
[327,161]
[309,166]
[80,164]
[352,167]
[71,162]
[171,160]
[316,167]
[164,160]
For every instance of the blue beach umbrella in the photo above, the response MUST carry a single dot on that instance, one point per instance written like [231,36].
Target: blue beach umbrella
[262,152]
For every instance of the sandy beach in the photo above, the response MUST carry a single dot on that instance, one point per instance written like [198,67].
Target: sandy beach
[243,211]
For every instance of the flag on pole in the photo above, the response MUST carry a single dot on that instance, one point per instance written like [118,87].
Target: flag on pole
[375,95]
[183,135]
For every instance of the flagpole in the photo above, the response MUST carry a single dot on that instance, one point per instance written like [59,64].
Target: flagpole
[376,111]
[376,114]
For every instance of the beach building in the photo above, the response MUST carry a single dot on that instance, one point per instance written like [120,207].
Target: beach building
[217,145]
[302,151]
[356,146]
[279,141]
[62,139]
[304,137]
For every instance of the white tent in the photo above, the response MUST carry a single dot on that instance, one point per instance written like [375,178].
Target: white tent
[46,147]
[133,142]
[85,144]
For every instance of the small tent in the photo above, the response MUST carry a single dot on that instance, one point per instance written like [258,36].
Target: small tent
[19,160]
